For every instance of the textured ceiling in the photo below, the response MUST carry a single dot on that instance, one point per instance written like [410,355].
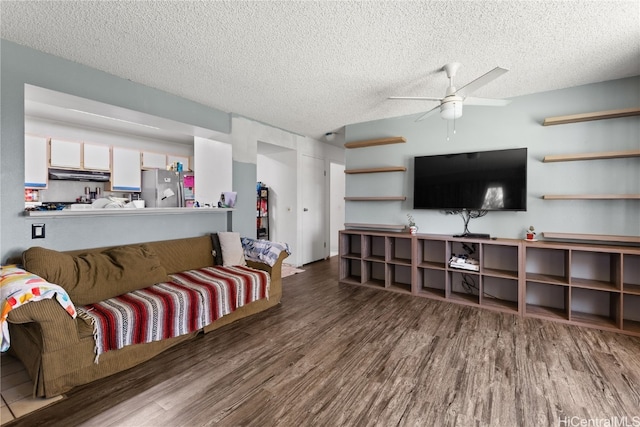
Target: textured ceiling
[313,67]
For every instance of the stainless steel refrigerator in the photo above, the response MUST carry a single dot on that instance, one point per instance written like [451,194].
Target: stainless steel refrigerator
[163,188]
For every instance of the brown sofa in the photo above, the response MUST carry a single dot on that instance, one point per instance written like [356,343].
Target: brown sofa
[58,351]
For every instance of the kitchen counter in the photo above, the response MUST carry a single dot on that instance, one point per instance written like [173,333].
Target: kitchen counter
[67,213]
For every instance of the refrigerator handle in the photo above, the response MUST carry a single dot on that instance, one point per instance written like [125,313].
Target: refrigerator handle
[180,194]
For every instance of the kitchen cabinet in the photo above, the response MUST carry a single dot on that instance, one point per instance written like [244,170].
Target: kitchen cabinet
[125,173]
[35,164]
[151,160]
[65,154]
[96,157]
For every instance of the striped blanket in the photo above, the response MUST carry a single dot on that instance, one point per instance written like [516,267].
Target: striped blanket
[190,301]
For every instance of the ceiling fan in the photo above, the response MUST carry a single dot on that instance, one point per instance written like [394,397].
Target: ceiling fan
[451,104]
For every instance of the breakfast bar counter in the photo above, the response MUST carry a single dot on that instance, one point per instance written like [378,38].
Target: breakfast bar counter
[66,213]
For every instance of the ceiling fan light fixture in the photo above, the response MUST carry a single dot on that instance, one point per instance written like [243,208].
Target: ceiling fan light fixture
[451,110]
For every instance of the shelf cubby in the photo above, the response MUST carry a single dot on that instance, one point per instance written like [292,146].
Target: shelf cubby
[547,301]
[399,250]
[432,254]
[500,261]
[432,283]
[351,245]
[462,293]
[399,278]
[375,248]
[351,271]
[374,274]
[631,313]
[547,265]
[500,294]
[595,308]
[596,270]
[631,274]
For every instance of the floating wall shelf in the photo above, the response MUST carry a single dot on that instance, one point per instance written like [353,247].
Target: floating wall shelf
[592,156]
[591,237]
[376,199]
[375,142]
[376,170]
[593,197]
[375,226]
[586,117]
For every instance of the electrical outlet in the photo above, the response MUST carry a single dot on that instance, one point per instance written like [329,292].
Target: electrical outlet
[37,231]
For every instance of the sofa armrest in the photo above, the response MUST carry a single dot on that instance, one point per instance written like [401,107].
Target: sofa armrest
[58,328]
[274,271]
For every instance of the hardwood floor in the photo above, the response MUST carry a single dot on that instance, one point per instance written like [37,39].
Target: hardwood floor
[335,355]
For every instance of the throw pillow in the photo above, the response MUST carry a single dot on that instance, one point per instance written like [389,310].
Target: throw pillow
[96,276]
[232,252]
[217,250]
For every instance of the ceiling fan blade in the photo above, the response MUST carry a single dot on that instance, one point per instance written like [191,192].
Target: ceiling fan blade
[415,98]
[428,113]
[489,102]
[481,81]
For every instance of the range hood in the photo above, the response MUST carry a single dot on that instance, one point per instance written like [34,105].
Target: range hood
[71,175]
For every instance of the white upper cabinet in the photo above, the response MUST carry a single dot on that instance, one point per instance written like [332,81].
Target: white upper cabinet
[125,173]
[151,160]
[66,154]
[35,161]
[96,157]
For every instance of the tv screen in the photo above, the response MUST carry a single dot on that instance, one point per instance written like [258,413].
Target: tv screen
[482,180]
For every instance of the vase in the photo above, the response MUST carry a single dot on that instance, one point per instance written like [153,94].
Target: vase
[413,229]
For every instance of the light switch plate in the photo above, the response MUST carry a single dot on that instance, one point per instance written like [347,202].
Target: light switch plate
[37,231]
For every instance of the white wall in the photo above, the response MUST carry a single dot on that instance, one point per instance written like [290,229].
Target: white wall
[516,125]
[213,169]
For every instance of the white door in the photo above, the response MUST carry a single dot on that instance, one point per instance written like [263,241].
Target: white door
[336,205]
[313,209]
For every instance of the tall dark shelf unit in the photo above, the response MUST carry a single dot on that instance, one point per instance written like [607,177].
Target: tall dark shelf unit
[262,213]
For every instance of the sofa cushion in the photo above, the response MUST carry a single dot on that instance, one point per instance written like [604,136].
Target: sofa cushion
[93,277]
[231,248]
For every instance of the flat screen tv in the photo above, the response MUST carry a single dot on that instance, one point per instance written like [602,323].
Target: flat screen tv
[482,180]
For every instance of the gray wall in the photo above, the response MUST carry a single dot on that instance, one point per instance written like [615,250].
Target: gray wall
[20,65]
[516,125]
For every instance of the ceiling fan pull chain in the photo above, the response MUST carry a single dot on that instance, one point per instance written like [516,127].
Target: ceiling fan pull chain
[454,118]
